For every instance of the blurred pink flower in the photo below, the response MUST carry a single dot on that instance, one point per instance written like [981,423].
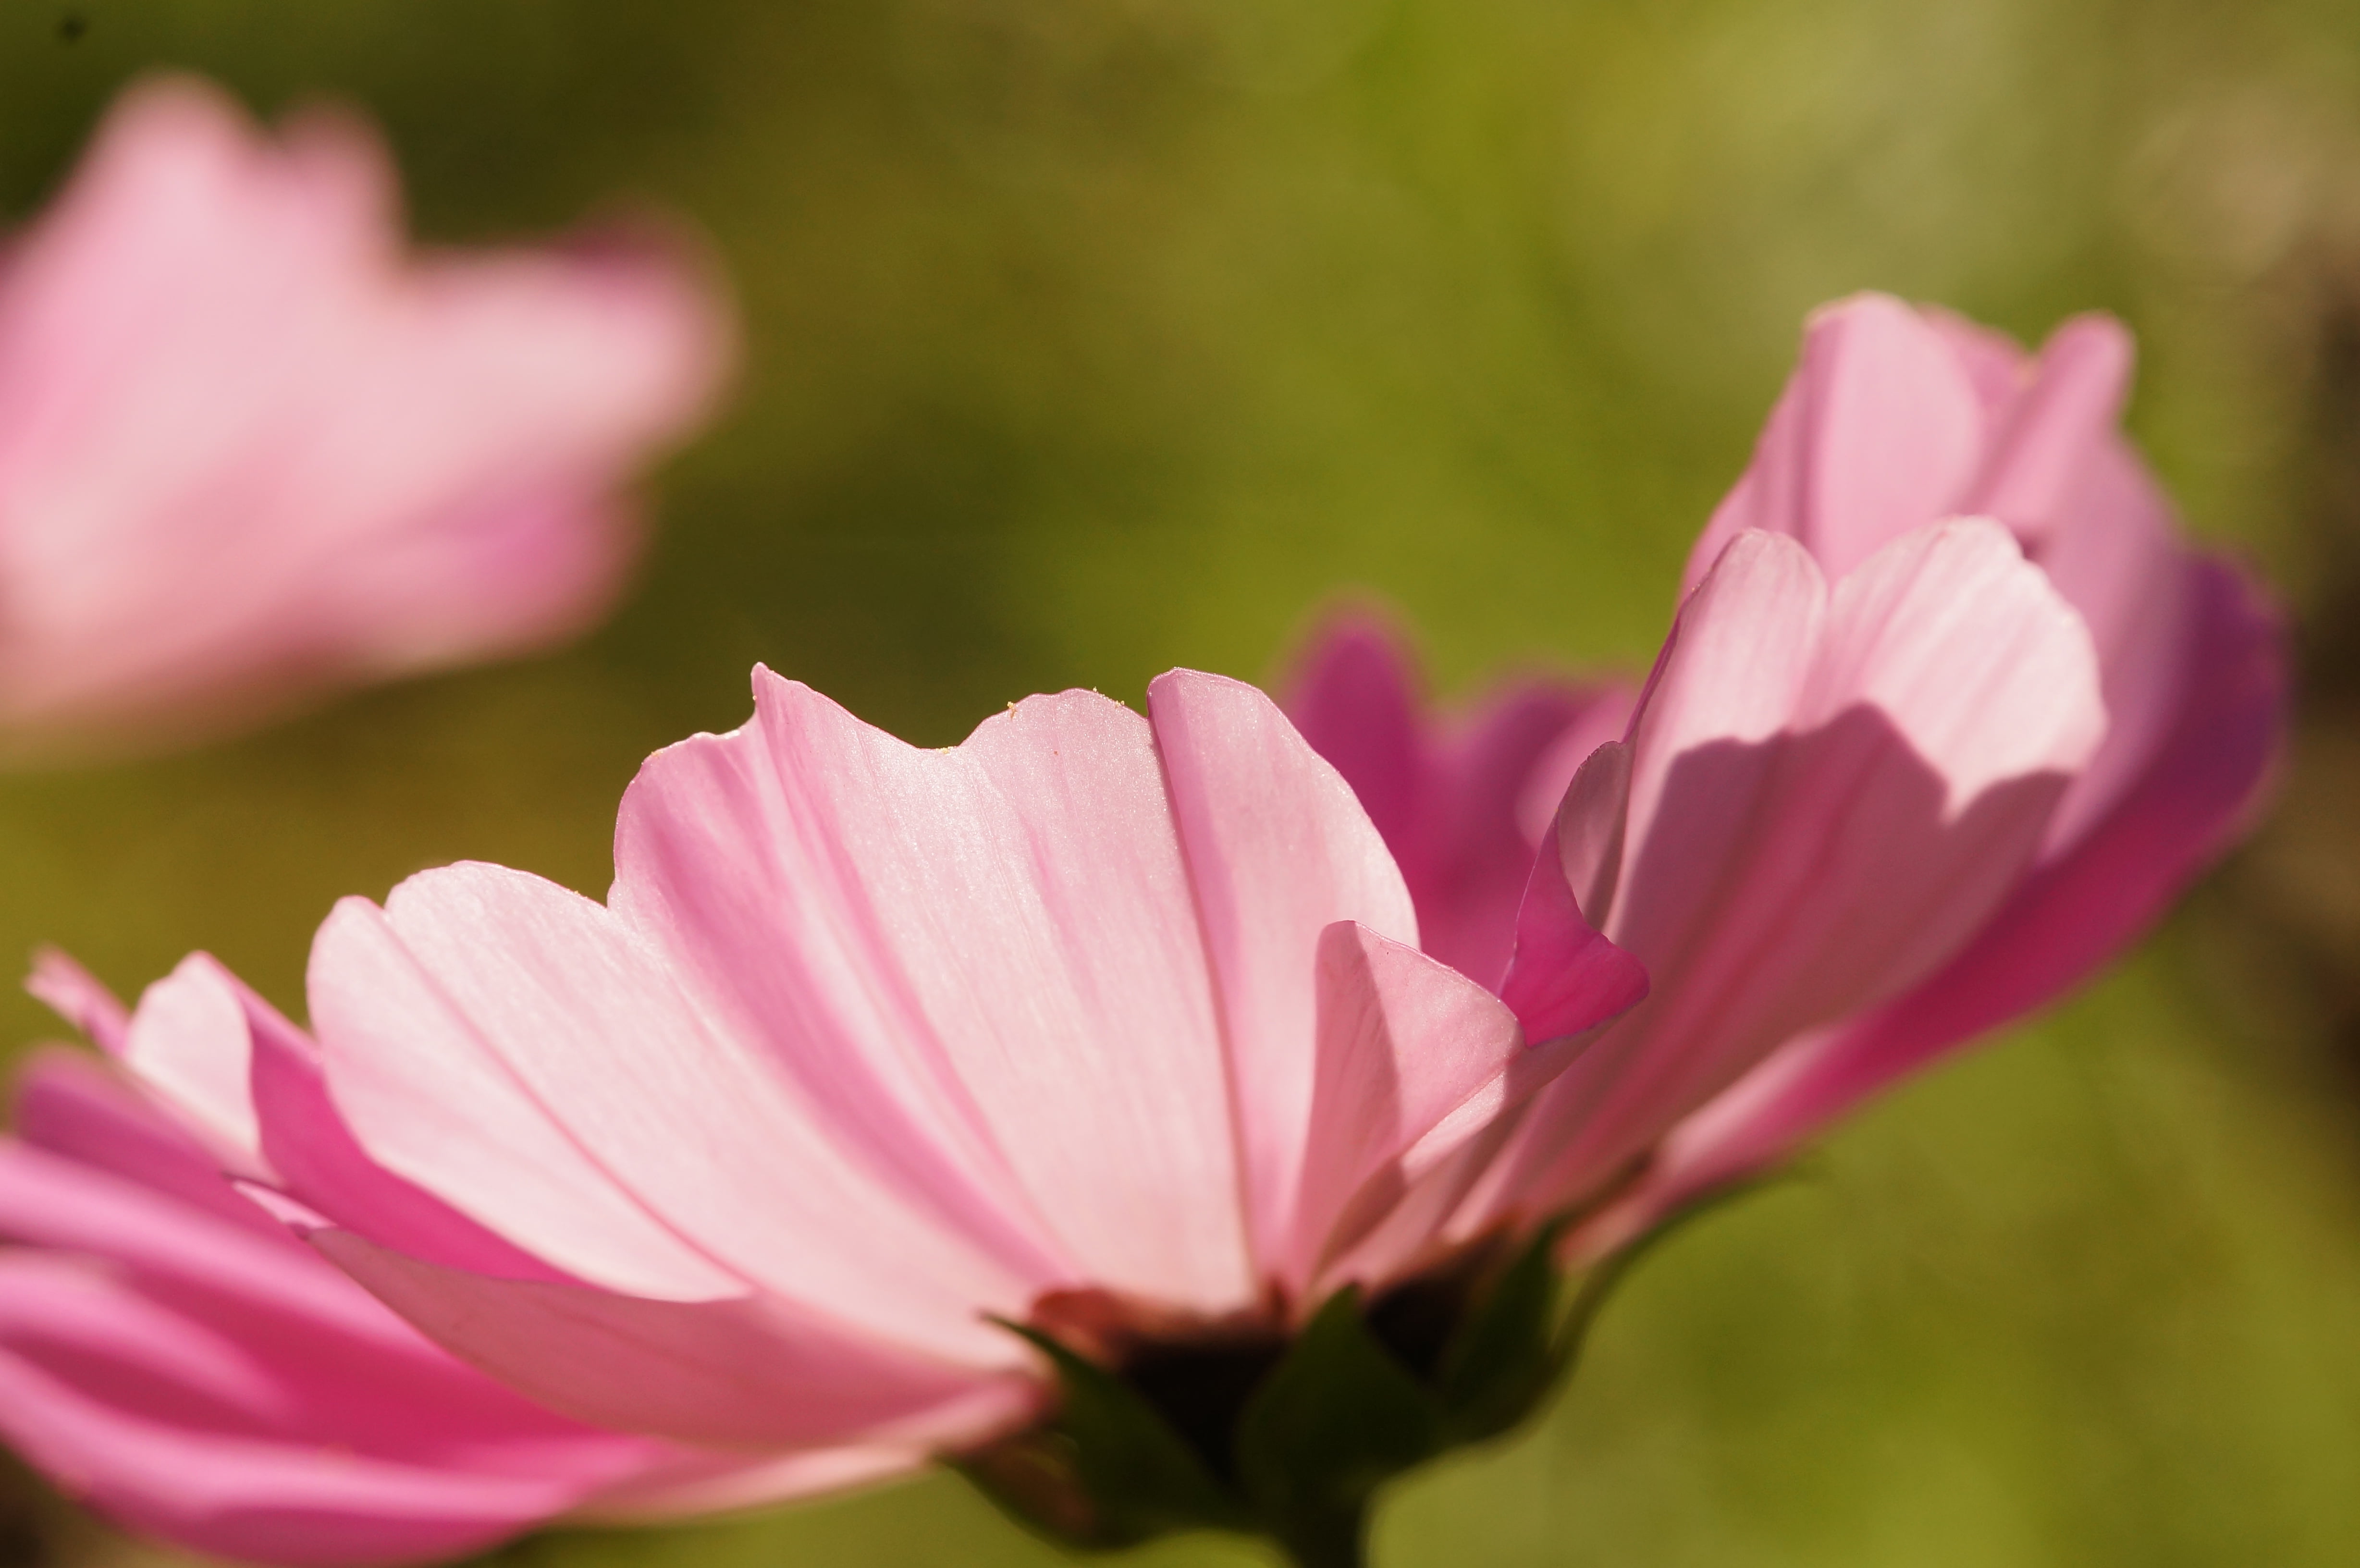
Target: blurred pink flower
[1829,893]
[250,451]
[1113,1024]
[173,1355]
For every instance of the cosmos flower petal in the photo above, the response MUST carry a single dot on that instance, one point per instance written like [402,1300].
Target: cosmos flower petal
[1278,850]
[1823,809]
[1462,798]
[982,965]
[1880,431]
[431,1099]
[754,1371]
[2065,919]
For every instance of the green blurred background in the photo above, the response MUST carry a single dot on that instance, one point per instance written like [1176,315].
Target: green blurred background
[1088,337]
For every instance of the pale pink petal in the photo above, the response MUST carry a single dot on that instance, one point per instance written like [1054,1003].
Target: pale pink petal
[2060,475]
[2067,410]
[2123,564]
[694,1125]
[2065,919]
[1994,363]
[1416,1062]
[1732,670]
[1811,829]
[430,1100]
[76,995]
[248,1082]
[508,404]
[187,1042]
[1880,431]
[1987,670]
[1603,721]
[752,1372]
[1278,850]
[981,967]
[314,1158]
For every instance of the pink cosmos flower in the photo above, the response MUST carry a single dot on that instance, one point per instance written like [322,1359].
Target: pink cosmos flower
[1829,897]
[250,451]
[1110,1024]
[1118,1028]
[171,1354]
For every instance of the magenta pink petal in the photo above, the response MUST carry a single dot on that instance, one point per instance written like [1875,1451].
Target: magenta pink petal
[258,1333]
[1460,802]
[255,1499]
[190,1367]
[234,1427]
[1355,701]
[1566,977]
[73,1108]
[52,1203]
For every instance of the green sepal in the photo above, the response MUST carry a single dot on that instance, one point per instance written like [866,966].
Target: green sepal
[1106,1471]
[1338,1415]
[1506,1355]
[1336,1419]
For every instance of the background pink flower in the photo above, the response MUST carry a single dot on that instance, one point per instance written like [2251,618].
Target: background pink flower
[251,450]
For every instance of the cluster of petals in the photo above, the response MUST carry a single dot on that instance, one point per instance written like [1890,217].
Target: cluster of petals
[868,1046]
[1193,1016]
[174,1356]
[251,450]
[1951,714]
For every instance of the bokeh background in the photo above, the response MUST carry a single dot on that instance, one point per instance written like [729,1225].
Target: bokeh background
[1089,337]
